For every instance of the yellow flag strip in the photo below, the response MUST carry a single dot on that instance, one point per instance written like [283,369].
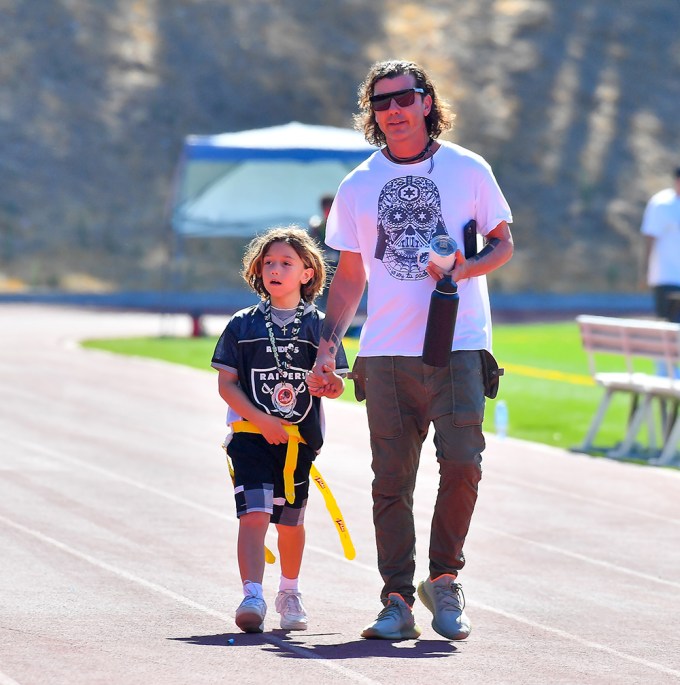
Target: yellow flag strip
[289,486]
[334,511]
[294,440]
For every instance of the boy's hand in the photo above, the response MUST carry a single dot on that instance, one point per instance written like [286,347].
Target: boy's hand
[272,427]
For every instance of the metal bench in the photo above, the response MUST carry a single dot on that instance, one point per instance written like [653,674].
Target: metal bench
[633,339]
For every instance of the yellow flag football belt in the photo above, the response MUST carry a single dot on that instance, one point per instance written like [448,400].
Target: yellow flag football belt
[294,440]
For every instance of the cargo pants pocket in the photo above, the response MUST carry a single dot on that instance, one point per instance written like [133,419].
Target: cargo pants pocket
[467,388]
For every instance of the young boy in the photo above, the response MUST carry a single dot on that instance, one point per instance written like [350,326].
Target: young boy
[263,358]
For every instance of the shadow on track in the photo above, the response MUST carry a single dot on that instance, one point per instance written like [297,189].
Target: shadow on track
[281,641]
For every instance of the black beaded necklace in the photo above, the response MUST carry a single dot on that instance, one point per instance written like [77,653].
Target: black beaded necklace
[282,365]
[415,158]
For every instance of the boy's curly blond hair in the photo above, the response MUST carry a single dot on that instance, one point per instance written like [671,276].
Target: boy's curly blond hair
[309,251]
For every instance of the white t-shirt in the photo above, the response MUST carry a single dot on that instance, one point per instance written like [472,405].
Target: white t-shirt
[662,221]
[387,212]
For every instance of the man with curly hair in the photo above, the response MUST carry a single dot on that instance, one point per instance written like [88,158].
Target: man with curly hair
[385,213]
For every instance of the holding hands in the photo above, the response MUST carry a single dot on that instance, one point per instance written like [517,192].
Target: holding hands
[322,380]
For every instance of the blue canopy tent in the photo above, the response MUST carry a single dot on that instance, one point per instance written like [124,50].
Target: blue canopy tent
[239,184]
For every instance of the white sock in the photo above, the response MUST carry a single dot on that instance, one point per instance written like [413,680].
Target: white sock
[251,589]
[288,584]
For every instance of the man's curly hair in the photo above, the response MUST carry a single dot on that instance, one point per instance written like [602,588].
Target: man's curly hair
[439,119]
[309,251]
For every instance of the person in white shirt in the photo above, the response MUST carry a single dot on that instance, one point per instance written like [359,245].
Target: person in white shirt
[385,211]
[661,231]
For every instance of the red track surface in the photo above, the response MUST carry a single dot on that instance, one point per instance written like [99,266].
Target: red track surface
[117,539]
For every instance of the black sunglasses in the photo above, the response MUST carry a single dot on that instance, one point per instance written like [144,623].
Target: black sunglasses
[404,98]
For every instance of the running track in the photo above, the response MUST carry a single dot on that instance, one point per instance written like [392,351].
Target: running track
[117,540]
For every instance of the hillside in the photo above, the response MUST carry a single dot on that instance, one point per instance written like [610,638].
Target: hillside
[574,103]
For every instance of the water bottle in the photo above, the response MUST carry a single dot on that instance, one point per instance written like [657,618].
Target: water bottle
[441,322]
[501,419]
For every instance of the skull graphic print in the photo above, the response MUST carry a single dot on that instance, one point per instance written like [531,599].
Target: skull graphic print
[409,216]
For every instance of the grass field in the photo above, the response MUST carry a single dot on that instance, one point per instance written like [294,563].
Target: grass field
[547,386]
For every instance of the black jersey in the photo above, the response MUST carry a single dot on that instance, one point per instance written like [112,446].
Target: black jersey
[244,348]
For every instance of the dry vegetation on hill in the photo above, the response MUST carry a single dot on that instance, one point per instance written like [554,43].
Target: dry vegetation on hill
[573,102]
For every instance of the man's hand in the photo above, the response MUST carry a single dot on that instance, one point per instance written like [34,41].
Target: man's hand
[325,382]
[456,273]
[336,386]
[497,251]
[321,376]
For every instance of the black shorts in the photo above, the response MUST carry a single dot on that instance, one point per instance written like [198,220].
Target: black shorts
[258,476]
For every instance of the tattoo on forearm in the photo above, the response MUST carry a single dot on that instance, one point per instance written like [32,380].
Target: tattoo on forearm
[334,329]
[487,249]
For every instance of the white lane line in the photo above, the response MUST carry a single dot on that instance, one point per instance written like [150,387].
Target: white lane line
[426,513]
[580,557]
[562,451]
[590,500]
[371,569]
[338,557]
[6,680]
[181,599]
[81,464]
[301,651]
[582,641]
[663,473]
[55,454]
[641,513]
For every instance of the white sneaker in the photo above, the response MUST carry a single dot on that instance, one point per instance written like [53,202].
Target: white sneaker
[293,614]
[444,598]
[394,622]
[250,614]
